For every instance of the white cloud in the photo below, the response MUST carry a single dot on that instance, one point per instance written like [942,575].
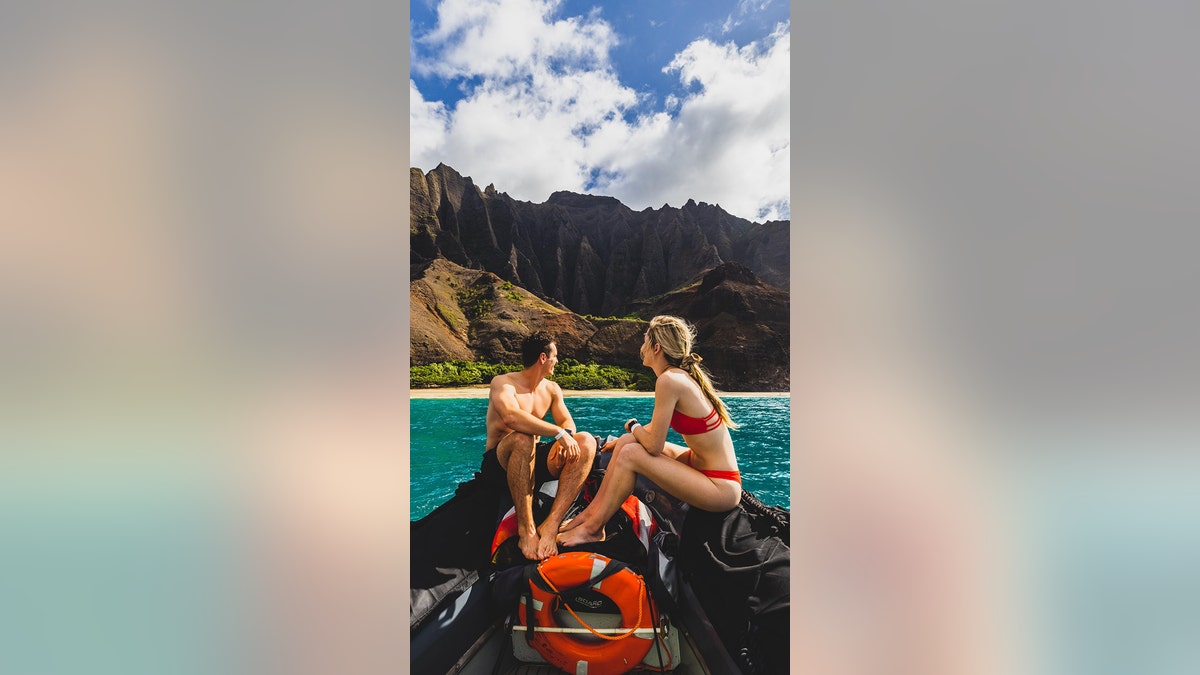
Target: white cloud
[427,123]
[548,113]
[507,38]
[747,6]
[730,141]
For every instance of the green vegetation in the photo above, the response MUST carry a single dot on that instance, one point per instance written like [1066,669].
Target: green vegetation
[447,317]
[475,302]
[569,374]
[456,373]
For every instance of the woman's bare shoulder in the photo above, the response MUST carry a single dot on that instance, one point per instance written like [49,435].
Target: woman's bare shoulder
[668,377]
[675,380]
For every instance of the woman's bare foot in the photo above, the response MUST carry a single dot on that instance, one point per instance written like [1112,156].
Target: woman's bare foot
[579,533]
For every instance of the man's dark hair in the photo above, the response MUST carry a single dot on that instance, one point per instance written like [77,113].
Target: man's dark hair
[534,346]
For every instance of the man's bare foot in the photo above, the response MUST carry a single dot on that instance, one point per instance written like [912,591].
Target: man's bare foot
[529,545]
[547,546]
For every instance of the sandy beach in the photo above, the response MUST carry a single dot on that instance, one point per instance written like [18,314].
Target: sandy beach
[481,391]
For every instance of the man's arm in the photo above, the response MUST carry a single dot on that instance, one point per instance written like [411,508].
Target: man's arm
[558,409]
[503,396]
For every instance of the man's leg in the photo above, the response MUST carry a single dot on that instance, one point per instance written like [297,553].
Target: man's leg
[515,453]
[570,479]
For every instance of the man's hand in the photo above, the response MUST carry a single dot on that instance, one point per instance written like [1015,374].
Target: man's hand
[569,447]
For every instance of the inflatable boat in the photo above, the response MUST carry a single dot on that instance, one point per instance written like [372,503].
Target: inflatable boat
[707,595]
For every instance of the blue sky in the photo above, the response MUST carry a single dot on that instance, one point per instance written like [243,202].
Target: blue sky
[653,103]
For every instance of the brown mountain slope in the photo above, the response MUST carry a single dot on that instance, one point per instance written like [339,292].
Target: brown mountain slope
[460,313]
[741,326]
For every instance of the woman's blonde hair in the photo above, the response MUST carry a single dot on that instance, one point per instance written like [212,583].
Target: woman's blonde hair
[676,337]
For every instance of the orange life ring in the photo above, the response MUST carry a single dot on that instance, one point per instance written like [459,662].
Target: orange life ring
[615,654]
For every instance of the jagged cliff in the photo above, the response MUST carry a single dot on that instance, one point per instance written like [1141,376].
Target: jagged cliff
[486,270]
[590,254]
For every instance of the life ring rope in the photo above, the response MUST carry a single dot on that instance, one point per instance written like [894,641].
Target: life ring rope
[636,624]
[561,575]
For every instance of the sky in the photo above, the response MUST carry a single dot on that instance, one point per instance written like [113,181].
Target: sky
[652,103]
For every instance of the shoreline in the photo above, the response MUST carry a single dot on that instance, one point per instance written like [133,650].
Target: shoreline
[481,391]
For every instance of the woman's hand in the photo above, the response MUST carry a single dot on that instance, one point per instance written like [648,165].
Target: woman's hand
[629,424]
[624,440]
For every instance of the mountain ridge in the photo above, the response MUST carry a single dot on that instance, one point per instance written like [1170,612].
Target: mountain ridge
[590,253]
[486,270]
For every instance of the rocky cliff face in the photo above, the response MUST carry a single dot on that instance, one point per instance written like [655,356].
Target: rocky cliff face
[486,270]
[742,328]
[591,254]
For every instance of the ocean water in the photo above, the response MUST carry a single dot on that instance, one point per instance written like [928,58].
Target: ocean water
[448,436]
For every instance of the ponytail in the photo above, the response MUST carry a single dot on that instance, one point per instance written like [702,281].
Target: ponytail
[676,337]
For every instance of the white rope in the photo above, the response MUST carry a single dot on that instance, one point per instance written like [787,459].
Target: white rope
[552,629]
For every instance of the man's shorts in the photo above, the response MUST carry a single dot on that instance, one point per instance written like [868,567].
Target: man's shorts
[492,470]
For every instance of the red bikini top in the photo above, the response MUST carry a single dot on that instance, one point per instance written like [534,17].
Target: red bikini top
[695,425]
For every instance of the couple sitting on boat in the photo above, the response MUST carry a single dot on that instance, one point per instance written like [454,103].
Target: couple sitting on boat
[703,474]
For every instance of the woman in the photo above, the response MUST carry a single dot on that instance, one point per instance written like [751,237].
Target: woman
[704,473]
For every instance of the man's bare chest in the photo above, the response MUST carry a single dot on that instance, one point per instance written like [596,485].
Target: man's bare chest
[535,403]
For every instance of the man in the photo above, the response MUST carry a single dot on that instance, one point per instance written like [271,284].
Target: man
[517,404]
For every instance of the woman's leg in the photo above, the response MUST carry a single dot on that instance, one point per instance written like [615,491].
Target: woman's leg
[683,482]
[617,485]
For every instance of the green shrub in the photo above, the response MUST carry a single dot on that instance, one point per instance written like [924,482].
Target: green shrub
[456,373]
[475,302]
[569,374]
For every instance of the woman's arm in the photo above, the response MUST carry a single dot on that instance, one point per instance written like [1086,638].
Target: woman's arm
[653,436]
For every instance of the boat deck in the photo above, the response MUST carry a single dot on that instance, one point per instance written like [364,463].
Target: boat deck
[492,654]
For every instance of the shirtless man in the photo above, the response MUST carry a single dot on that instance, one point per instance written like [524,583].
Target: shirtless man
[517,404]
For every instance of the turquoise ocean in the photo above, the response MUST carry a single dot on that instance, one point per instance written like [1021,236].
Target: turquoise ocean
[448,435]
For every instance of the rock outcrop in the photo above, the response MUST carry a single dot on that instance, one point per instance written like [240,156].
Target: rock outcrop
[588,253]
[742,328]
[460,313]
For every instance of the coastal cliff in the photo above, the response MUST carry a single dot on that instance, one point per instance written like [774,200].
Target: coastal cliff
[487,269]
